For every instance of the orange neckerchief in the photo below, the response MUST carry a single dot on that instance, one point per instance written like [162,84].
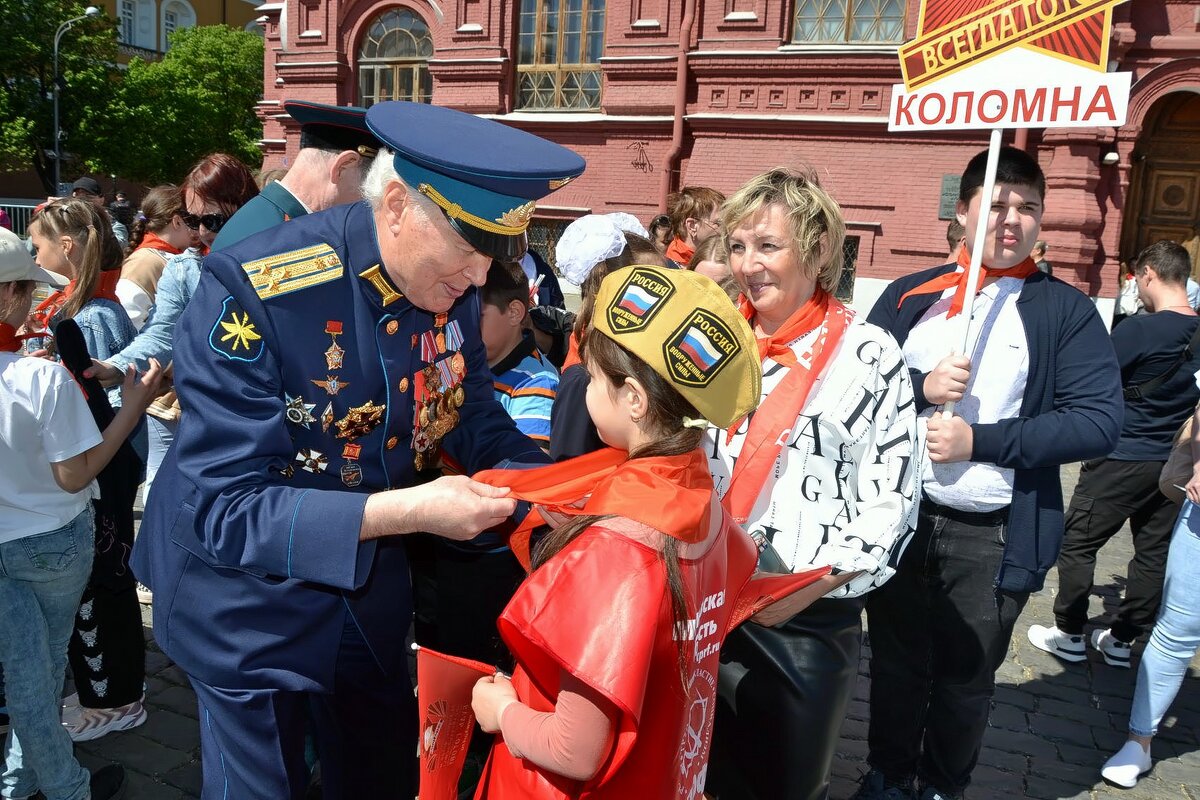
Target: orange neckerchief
[680,252]
[669,493]
[572,353]
[155,241]
[777,345]
[771,423]
[106,288]
[958,279]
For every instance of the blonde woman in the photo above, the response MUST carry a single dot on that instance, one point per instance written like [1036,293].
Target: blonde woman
[821,474]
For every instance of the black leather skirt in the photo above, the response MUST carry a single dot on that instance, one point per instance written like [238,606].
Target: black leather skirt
[781,696]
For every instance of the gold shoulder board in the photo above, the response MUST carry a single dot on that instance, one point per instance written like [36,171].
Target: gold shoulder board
[294,270]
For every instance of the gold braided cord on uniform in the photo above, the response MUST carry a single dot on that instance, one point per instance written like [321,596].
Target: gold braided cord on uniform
[520,216]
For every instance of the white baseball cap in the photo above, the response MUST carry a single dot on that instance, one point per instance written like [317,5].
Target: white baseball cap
[17,265]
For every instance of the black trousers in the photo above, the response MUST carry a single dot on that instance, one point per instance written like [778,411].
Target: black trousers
[1109,493]
[938,630]
[107,651]
[781,698]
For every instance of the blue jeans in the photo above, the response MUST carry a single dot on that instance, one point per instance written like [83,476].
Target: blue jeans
[1176,635]
[41,580]
[161,434]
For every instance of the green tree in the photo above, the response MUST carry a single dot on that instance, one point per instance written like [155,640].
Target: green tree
[87,69]
[166,115]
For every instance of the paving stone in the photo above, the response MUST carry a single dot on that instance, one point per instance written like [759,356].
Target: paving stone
[1052,789]
[178,699]
[173,730]
[1057,729]
[1012,696]
[1008,717]
[141,787]
[1073,711]
[136,753]
[187,778]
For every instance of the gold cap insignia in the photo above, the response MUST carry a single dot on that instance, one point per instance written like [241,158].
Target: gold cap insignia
[558,183]
[518,217]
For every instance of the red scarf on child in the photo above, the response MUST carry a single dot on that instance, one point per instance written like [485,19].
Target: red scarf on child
[10,340]
[958,279]
[155,241]
[106,288]
[669,493]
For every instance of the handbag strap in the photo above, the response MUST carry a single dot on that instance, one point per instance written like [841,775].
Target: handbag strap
[1147,388]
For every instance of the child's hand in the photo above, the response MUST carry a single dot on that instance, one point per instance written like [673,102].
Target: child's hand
[138,393]
[489,698]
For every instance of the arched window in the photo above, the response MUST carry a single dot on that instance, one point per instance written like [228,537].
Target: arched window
[393,61]
[176,15]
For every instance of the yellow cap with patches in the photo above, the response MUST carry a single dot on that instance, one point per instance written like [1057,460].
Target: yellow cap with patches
[683,325]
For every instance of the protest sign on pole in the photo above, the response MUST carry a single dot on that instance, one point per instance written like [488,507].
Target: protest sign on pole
[996,64]
[444,685]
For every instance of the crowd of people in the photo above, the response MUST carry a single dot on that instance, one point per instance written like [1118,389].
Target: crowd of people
[360,414]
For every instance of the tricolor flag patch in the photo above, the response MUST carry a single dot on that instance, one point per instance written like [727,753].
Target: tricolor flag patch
[699,349]
[638,301]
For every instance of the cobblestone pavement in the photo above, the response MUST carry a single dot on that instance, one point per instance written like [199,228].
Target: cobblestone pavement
[1052,724]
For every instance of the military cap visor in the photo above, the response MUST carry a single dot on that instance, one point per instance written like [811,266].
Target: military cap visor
[335,128]
[485,176]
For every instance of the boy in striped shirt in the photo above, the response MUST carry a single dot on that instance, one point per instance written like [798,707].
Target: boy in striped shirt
[525,380]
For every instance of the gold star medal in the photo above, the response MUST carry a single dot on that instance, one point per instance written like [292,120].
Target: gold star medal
[334,355]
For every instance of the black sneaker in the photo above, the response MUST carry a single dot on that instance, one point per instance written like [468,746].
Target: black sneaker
[933,793]
[873,786]
[108,783]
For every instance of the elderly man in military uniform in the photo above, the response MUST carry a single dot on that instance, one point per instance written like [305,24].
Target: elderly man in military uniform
[328,366]
[336,149]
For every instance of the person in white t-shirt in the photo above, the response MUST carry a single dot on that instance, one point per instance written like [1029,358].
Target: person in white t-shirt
[51,451]
[823,473]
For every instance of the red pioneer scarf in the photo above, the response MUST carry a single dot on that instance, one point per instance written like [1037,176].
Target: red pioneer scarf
[958,279]
[669,493]
[155,241]
[10,340]
[106,288]
[773,420]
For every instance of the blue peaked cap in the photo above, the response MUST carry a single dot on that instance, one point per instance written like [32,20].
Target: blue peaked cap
[484,175]
[327,127]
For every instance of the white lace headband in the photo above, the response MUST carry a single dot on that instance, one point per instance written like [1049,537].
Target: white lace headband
[585,243]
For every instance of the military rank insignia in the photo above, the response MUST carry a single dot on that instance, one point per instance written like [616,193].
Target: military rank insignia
[234,335]
[294,270]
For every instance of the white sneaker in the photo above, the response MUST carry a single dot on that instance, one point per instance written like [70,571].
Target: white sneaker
[144,595]
[1058,644]
[1116,653]
[92,723]
[71,709]
[1126,765]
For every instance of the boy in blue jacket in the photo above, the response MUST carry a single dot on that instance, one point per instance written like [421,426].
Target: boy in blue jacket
[1038,387]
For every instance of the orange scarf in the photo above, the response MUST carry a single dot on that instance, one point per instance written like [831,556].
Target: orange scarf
[669,493]
[958,279]
[680,252]
[773,421]
[572,353]
[155,241]
[106,288]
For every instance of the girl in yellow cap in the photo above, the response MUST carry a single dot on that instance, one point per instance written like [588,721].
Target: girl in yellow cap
[617,630]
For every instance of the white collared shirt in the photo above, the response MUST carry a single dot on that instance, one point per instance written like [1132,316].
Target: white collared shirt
[999,369]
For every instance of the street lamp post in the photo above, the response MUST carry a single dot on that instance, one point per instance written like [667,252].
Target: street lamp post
[90,11]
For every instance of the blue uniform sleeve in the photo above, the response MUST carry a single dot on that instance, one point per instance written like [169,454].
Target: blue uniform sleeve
[487,434]
[233,446]
[1088,409]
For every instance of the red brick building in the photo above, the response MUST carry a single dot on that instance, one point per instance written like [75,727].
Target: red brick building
[656,94]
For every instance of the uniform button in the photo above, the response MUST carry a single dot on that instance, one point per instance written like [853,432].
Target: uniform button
[392,327]
[392,442]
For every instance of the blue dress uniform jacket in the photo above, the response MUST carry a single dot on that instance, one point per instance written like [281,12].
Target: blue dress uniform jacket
[250,541]
[274,205]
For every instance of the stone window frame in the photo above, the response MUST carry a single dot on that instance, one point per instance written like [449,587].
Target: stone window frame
[370,69]
[175,15]
[812,21]
[548,78]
